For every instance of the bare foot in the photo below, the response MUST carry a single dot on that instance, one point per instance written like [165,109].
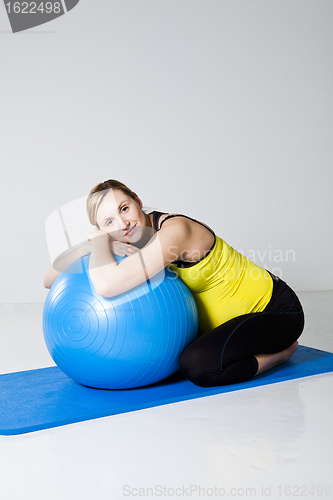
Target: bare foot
[268,361]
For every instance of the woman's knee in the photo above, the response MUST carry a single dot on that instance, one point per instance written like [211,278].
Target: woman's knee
[189,359]
[192,365]
[299,323]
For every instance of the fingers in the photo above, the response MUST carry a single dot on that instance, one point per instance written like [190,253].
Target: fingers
[123,249]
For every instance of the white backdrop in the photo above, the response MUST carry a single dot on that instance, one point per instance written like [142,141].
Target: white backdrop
[218,109]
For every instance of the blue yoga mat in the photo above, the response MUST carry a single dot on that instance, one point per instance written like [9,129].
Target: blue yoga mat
[44,398]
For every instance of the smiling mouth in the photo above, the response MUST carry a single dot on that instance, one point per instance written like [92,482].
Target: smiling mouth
[130,231]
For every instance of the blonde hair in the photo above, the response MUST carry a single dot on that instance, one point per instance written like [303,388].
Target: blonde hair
[97,194]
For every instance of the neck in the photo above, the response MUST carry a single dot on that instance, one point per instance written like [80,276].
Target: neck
[149,224]
[147,234]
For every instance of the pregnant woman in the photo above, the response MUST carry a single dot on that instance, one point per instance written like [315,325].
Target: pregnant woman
[249,319]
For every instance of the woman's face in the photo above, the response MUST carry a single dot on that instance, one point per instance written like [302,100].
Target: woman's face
[121,216]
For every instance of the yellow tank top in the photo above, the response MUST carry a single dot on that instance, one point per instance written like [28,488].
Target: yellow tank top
[225,284]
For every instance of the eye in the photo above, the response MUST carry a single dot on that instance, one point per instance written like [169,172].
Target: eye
[123,209]
[107,222]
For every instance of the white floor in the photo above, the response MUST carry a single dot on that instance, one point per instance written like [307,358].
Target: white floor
[272,441]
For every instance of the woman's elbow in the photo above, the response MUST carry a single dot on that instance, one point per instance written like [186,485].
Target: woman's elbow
[105,292]
[46,281]
[102,286]
[50,277]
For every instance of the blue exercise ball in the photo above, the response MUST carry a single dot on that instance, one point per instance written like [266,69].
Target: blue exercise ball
[131,340]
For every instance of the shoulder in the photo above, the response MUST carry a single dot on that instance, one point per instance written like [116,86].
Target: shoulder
[172,232]
[173,220]
[186,223]
[174,229]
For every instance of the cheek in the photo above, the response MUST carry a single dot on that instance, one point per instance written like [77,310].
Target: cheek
[117,234]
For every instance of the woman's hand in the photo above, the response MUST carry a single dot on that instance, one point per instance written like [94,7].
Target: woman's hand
[117,247]
[122,249]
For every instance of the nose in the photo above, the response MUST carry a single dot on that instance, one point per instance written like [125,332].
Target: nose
[124,224]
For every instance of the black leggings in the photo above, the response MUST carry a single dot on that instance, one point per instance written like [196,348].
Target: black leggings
[225,355]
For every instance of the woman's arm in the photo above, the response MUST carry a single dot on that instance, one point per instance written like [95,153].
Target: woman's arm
[63,261]
[110,278]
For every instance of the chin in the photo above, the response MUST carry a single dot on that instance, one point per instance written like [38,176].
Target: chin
[134,239]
